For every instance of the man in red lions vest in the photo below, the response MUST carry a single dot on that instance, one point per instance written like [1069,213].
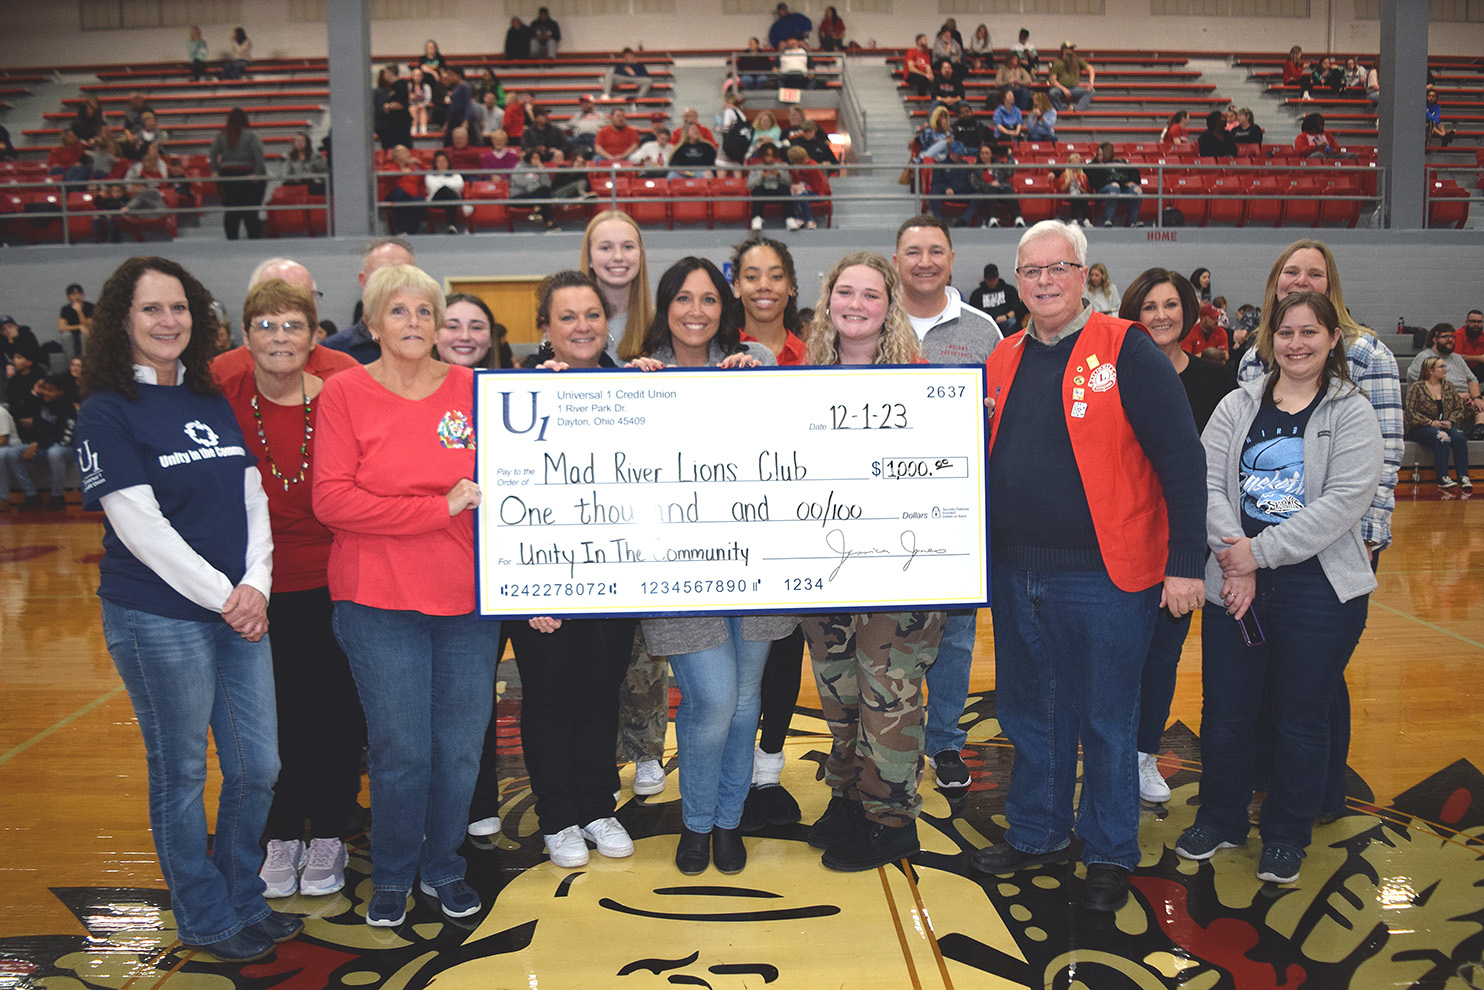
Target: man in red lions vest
[1097,517]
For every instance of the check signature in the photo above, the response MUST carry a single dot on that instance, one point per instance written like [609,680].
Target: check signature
[835,540]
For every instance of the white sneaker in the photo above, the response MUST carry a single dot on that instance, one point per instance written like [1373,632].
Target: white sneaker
[566,848]
[992,222]
[324,868]
[649,778]
[1020,221]
[1087,223]
[757,223]
[485,826]
[792,223]
[610,837]
[1152,786]
[281,867]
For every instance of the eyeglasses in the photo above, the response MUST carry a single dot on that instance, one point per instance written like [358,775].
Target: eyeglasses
[1059,270]
[296,328]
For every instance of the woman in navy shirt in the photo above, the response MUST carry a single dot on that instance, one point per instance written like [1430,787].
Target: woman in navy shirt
[185,577]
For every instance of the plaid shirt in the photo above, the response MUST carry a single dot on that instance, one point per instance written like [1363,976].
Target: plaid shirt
[1373,368]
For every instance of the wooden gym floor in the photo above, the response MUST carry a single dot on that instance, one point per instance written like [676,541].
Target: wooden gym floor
[1392,895]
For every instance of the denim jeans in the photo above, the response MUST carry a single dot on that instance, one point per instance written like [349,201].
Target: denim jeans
[1132,194]
[1081,98]
[1457,439]
[1157,685]
[1309,635]
[948,682]
[715,725]
[426,683]
[1069,649]
[183,677]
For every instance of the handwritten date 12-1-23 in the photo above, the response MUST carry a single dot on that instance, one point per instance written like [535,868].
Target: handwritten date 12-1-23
[869,416]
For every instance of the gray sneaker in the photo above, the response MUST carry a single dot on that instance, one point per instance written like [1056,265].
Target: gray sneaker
[324,868]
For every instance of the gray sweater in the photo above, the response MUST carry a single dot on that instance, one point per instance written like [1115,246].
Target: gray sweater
[1342,466]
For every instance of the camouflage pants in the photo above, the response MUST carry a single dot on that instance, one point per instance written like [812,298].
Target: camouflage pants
[643,706]
[869,668]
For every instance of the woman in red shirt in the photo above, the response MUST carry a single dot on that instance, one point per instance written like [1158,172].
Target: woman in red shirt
[320,726]
[394,463]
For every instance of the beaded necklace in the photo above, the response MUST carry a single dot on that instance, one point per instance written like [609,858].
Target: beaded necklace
[303,447]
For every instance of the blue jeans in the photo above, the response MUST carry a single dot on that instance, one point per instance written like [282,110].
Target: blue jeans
[183,677]
[1310,635]
[1081,98]
[1069,649]
[1131,193]
[948,682]
[1157,685]
[427,683]
[715,725]
[1427,436]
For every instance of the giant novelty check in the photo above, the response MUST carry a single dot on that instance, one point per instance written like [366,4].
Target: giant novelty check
[793,490]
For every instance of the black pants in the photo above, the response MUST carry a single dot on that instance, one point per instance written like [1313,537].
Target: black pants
[451,214]
[569,715]
[781,689]
[321,730]
[242,200]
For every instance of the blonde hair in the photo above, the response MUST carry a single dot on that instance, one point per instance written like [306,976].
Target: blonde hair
[938,119]
[1041,102]
[898,343]
[409,279]
[640,307]
[1349,329]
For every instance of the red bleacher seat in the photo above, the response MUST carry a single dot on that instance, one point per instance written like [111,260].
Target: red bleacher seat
[288,222]
[1448,204]
[726,207]
[489,206]
[1301,208]
[1227,207]
[693,201]
[649,208]
[1187,193]
[1266,212]
[1334,207]
[1036,200]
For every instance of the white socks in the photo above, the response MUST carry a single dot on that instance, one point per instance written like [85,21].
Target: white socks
[766,768]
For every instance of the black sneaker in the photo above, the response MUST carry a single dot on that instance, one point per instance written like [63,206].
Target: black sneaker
[873,845]
[769,804]
[949,769]
[841,818]
[32,503]
[57,503]
[1106,887]
[1005,858]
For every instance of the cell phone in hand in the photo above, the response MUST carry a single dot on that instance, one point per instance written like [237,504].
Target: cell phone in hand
[1251,629]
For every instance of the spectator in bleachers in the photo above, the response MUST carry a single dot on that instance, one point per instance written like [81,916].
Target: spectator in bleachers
[1436,128]
[135,110]
[89,120]
[1354,81]
[519,114]
[788,24]
[1200,280]
[1029,57]
[627,72]
[405,187]
[1314,141]
[1102,294]
[489,82]
[1116,179]
[768,183]
[831,31]
[196,53]
[653,152]
[1042,123]
[917,66]
[1174,132]
[16,340]
[586,123]
[1066,79]
[499,155]
[754,68]
[390,104]
[793,65]
[1295,69]
[545,136]
[546,35]
[695,156]
[935,136]
[66,160]
[1009,122]
[461,110]
[105,154]
[817,143]
[946,48]
[765,130]
[1434,417]
[1326,78]
[134,142]
[1373,83]
[491,113]
[51,416]
[687,117]
[1071,182]
[1215,141]
[463,155]
[517,40]
[1246,132]
[240,56]
[1207,337]
[235,155]
[999,299]
[420,99]
[616,141]
[442,182]
[948,87]
[1442,341]
[967,129]
[807,184]
[75,320]
[148,171]
[980,50]
[569,178]
[956,179]
[1012,76]
[995,179]
[7,149]
[1470,340]
[433,63]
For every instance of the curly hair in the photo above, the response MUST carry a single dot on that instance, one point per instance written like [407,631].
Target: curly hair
[729,330]
[791,320]
[898,343]
[108,358]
